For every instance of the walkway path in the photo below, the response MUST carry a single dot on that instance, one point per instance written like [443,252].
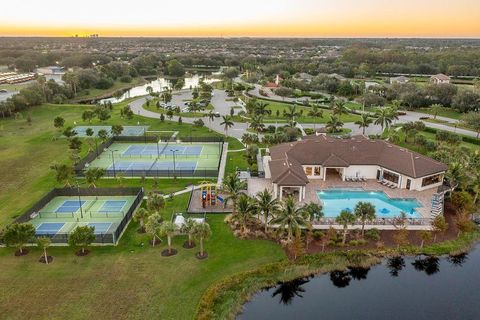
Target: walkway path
[373,129]
[223,107]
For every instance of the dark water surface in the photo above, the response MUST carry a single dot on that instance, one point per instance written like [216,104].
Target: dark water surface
[401,288]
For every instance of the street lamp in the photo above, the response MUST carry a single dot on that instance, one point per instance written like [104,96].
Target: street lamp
[79,200]
[174,151]
[113,162]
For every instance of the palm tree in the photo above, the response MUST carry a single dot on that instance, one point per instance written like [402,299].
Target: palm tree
[334,124]
[149,89]
[425,235]
[257,124]
[436,108]
[316,113]
[43,243]
[168,229]
[188,228]
[266,205]
[345,218]
[385,117]
[364,122]
[291,112]
[202,232]
[364,211]
[210,116]
[232,185]
[227,123]
[475,184]
[312,210]
[261,108]
[290,218]
[245,209]
[340,108]
[152,226]
[140,216]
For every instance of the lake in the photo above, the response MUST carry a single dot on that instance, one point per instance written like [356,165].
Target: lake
[401,288]
[159,85]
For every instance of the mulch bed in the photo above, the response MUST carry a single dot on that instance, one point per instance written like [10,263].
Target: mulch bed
[386,236]
[21,254]
[79,253]
[157,242]
[200,257]
[187,245]
[42,259]
[169,253]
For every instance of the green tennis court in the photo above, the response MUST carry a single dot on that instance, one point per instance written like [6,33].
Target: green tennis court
[160,159]
[64,213]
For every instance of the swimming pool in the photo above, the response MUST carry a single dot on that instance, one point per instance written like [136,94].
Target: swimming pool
[336,200]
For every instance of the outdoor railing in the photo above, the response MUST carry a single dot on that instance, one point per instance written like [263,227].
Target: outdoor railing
[376,222]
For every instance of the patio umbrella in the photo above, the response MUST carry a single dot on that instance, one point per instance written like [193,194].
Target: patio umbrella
[384,211]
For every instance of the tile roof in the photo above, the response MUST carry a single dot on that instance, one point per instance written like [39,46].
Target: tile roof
[358,150]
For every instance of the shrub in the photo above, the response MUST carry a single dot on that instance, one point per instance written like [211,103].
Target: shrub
[198,123]
[373,234]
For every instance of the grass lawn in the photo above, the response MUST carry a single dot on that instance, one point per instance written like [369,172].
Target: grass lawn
[131,280]
[304,118]
[27,151]
[16,86]
[430,136]
[444,112]
[235,157]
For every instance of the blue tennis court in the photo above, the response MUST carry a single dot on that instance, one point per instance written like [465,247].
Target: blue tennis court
[152,165]
[113,206]
[49,228]
[162,149]
[100,227]
[70,206]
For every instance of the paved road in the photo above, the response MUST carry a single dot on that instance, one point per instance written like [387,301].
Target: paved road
[236,131]
[219,101]
[374,129]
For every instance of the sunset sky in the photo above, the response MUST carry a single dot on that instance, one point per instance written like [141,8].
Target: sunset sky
[277,18]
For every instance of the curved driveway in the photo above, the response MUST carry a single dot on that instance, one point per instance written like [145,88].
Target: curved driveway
[222,105]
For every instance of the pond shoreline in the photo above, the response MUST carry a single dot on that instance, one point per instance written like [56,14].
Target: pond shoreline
[225,299]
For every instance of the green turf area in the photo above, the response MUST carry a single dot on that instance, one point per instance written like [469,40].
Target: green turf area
[67,211]
[430,136]
[235,156]
[131,280]
[27,151]
[207,159]
[303,118]
[444,112]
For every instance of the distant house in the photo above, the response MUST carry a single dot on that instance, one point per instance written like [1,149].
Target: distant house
[440,78]
[337,76]
[271,85]
[400,80]
[304,76]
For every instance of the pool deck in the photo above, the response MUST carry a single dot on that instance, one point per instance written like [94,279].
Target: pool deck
[256,185]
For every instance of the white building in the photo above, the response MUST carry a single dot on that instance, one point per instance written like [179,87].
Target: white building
[291,166]
[440,78]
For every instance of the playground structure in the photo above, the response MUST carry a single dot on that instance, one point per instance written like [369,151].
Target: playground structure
[209,196]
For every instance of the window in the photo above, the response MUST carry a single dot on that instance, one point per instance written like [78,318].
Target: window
[317,171]
[390,176]
[432,180]
[308,171]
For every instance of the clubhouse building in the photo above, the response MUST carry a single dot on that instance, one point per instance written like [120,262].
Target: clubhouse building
[291,166]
